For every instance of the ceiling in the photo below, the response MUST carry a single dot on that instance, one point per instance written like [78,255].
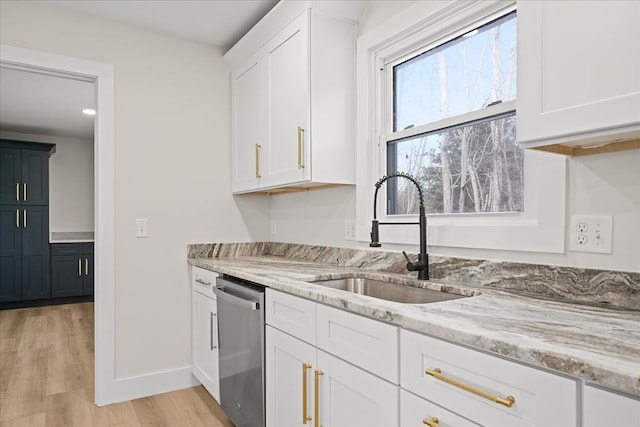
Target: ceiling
[218,22]
[52,105]
[40,104]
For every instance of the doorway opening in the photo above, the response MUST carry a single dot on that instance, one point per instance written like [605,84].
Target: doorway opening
[101,75]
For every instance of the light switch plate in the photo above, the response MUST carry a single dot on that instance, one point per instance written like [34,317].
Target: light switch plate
[591,233]
[142,227]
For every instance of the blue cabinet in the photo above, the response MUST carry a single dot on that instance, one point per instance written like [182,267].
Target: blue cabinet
[24,221]
[71,269]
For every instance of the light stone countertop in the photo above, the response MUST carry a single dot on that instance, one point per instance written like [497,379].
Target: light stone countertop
[597,344]
[71,237]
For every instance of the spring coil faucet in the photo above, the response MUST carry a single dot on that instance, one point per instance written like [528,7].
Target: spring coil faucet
[422,265]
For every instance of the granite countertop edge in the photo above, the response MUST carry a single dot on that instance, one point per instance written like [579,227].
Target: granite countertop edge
[595,344]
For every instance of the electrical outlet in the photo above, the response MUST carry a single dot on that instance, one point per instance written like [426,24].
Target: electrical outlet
[591,233]
[349,230]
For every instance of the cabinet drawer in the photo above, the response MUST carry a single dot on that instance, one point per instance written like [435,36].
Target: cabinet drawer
[604,408]
[66,249]
[293,315]
[366,343]
[413,410]
[541,398]
[203,281]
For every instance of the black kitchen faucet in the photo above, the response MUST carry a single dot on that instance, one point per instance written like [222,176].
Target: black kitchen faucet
[422,265]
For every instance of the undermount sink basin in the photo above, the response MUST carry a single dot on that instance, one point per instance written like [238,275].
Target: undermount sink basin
[388,291]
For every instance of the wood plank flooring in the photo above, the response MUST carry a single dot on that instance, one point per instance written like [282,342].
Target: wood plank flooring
[46,378]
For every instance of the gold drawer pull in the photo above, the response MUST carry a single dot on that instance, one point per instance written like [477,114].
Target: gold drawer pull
[86,266]
[305,417]
[258,147]
[79,266]
[300,133]
[24,192]
[17,191]
[24,218]
[316,392]
[437,373]
[433,422]
[17,218]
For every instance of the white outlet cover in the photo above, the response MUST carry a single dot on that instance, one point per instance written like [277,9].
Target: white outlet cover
[591,233]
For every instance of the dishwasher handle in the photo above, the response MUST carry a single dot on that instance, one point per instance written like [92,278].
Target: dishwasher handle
[225,293]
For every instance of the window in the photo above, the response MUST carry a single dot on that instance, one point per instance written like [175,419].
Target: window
[408,110]
[443,130]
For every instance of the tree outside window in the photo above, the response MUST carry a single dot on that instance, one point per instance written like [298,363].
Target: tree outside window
[471,163]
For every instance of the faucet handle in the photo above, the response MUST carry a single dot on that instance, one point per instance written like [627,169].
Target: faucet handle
[412,265]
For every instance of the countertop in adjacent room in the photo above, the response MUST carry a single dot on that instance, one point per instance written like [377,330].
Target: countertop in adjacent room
[71,237]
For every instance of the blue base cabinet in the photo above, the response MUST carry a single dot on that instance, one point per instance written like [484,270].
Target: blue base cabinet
[71,269]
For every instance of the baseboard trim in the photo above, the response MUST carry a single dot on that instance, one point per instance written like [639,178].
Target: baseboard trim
[123,389]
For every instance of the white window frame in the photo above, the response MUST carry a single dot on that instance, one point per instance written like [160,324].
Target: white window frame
[539,228]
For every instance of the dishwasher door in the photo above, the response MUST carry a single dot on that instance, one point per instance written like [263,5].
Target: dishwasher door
[241,347]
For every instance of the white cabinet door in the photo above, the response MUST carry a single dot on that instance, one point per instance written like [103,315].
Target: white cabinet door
[578,71]
[603,408]
[249,125]
[415,412]
[351,397]
[289,367]
[205,343]
[287,62]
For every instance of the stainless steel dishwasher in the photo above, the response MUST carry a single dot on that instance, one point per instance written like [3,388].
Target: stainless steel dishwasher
[241,349]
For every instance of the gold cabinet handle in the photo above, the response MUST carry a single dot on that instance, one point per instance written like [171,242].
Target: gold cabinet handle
[305,417]
[316,398]
[431,422]
[24,218]
[17,191]
[17,218]
[86,266]
[437,373]
[79,266]
[24,192]
[300,133]
[258,147]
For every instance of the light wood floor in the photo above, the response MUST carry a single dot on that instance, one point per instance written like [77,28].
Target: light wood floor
[46,378]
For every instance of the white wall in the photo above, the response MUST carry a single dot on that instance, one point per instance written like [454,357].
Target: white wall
[172,161]
[71,186]
[606,184]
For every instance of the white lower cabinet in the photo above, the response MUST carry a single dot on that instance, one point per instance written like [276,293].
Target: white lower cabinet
[306,385]
[289,379]
[415,411]
[205,342]
[352,397]
[328,367]
[487,390]
[604,408]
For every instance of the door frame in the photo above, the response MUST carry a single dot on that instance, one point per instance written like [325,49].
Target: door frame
[106,387]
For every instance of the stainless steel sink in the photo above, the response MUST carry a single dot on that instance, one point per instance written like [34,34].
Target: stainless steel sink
[388,291]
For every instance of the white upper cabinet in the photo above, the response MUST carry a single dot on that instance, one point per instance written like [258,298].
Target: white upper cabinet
[578,72]
[249,123]
[288,94]
[293,104]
